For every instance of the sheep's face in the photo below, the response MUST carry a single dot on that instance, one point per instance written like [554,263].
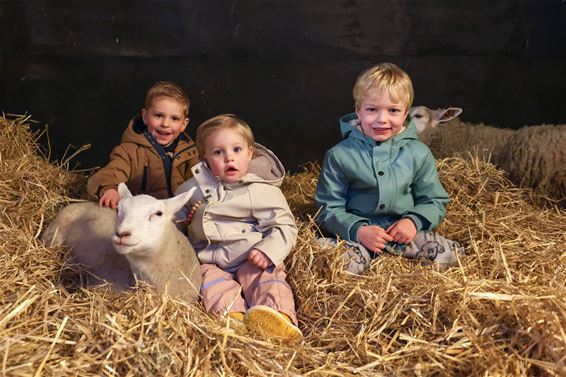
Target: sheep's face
[139,224]
[421,116]
[380,118]
[425,118]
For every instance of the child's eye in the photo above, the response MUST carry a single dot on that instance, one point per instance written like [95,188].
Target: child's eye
[217,152]
[176,119]
[237,149]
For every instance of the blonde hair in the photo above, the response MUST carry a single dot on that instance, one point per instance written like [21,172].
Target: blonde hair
[384,78]
[219,122]
[169,90]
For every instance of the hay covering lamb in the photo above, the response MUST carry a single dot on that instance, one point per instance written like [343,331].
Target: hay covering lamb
[138,241]
[533,156]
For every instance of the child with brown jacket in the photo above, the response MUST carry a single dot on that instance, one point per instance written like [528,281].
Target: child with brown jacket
[155,155]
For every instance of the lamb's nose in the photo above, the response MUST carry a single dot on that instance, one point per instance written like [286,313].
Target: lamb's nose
[123,234]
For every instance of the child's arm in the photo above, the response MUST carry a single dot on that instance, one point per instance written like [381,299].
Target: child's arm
[116,171]
[276,222]
[429,196]
[331,197]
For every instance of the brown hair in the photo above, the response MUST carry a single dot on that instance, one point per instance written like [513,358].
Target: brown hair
[220,122]
[384,78]
[169,90]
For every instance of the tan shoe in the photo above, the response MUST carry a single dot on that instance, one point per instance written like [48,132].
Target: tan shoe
[267,321]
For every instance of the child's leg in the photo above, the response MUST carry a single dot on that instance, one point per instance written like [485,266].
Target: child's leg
[267,287]
[357,258]
[432,247]
[220,292]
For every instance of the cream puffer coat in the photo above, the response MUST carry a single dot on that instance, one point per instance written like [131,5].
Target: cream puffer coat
[230,219]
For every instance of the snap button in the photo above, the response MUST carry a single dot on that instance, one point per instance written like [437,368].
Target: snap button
[382,206]
[207,191]
[380,173]
[197,171]
[243,231]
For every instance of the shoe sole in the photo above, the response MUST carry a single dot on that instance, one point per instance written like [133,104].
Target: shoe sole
[265,320]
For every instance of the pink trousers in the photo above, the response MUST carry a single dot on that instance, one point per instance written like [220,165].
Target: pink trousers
[224,292]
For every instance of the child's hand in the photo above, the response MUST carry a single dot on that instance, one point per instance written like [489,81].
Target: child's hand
[373,237]
[403,231]
[259,259]
[110,198]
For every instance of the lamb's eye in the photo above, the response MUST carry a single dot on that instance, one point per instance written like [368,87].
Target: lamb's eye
[418,116]
[158,213]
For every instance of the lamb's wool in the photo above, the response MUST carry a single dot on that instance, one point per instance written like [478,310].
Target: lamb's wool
[535,157]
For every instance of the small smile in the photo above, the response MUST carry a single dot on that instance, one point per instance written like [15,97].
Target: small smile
[380,128]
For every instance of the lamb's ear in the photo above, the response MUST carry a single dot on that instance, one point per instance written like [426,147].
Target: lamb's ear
[124,191]
[444,115]
[174,204]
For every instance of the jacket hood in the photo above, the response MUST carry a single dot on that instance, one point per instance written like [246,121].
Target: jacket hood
[264,167]
[350,127]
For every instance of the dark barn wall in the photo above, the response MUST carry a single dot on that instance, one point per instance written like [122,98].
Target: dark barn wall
[287,67]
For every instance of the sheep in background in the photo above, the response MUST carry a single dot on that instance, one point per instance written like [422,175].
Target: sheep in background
[457,138]
[533,156]
[139,241]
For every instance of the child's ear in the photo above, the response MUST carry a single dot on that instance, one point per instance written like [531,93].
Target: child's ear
[185,124]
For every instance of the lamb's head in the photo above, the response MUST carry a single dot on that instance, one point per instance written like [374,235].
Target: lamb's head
[142,220]
[425,118]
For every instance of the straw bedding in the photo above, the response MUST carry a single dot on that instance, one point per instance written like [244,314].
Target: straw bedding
[502,312]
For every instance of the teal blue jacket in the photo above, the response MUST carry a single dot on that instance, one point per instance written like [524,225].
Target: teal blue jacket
[364,182]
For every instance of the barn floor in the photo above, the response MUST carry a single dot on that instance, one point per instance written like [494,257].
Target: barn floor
[501,312]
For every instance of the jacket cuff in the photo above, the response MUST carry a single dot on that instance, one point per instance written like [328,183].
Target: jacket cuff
[419,221]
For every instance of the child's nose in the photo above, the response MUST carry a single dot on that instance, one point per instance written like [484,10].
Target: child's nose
[381,116]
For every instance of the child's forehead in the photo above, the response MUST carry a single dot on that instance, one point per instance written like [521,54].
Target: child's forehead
[171,102]
[381,97]
[226,134]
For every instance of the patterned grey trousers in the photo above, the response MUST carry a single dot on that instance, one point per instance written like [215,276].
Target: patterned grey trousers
[428,247]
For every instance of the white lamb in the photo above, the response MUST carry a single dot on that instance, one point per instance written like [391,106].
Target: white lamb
[137,242]
[534,156]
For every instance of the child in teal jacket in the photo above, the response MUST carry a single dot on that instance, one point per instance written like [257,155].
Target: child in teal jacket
[379,187]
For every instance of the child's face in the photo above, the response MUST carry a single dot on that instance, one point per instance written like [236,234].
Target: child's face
[380,118]
[228,154]
[165,119]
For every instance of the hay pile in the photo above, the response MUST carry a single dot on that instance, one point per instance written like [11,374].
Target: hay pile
[502,312]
